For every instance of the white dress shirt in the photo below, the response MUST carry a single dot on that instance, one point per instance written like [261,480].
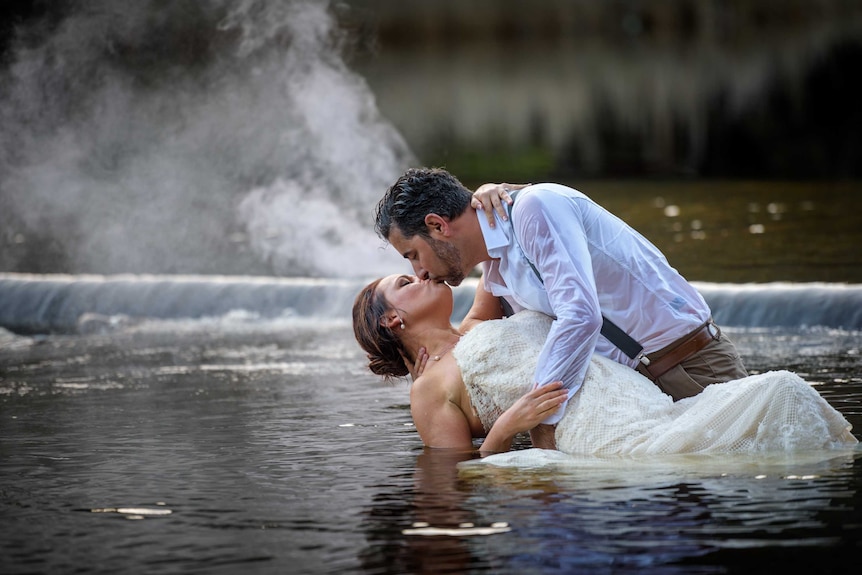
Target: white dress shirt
[591,263]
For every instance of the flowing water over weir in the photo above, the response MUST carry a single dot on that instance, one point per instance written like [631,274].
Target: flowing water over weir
[69,304]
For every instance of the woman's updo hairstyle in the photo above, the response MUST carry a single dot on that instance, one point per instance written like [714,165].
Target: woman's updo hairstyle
[383,347]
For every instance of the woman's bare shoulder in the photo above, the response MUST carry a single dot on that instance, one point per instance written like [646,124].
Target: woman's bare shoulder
[439,382]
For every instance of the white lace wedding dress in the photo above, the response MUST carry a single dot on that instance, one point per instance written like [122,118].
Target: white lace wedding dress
[617,411]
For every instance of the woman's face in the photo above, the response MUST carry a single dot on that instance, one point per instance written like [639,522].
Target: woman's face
[414,298]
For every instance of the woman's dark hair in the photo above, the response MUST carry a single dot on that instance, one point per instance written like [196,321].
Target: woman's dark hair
[419,192]
[385,351]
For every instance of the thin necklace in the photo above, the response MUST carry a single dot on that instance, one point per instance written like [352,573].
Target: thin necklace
[444,352]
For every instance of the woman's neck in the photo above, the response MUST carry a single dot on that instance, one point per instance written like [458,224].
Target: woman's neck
[435,354]
[437,342]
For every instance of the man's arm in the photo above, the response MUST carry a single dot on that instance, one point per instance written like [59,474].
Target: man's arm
[485,306]
[551,233]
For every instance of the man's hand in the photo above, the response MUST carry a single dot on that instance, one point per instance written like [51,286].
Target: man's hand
[543,436]
[493,196]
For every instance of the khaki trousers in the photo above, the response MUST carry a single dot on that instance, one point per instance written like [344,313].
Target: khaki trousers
[718,362]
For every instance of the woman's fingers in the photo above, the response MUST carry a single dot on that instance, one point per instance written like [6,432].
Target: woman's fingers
[550,397]
[419,364]
[548,388]
[496,197]
[537,404]
[542,401]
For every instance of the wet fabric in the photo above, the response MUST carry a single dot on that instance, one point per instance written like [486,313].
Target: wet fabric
[619,412]
[593,266]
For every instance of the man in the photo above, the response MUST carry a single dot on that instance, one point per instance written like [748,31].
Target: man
[610,290]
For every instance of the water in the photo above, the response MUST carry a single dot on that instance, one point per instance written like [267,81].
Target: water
[259,442]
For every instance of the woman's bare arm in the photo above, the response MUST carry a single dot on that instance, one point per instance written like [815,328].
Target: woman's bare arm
[437,413]
[441,422]
[526,413]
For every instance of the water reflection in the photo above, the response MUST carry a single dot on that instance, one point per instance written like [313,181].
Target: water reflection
[711,231]
[433,496]
[678,516]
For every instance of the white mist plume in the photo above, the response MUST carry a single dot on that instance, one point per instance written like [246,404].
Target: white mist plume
[281,216]
[320,218]
[195,138]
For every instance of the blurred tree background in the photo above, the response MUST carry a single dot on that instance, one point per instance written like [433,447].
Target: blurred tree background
[502,89]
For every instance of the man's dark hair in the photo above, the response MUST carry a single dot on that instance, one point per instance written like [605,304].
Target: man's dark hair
[419,192]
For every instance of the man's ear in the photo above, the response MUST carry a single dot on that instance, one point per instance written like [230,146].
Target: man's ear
[437,225]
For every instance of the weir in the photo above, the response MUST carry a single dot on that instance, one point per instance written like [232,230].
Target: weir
[33,304]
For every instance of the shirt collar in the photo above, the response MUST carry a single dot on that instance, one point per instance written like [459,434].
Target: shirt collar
[496,238]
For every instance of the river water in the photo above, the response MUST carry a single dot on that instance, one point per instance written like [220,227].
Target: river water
[246,441]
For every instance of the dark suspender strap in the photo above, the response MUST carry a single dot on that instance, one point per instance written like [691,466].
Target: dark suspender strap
[611,331]
[507,307]
[614,334]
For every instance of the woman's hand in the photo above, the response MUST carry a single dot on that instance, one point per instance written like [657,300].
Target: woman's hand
[419,365]
[535,406]
[493,196]
[530,410]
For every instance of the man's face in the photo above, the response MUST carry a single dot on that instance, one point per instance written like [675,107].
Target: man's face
[431,259]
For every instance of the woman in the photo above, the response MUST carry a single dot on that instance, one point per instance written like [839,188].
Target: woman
[397,318]
[477,383]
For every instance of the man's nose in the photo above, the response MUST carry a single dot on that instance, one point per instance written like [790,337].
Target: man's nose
[421,273]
